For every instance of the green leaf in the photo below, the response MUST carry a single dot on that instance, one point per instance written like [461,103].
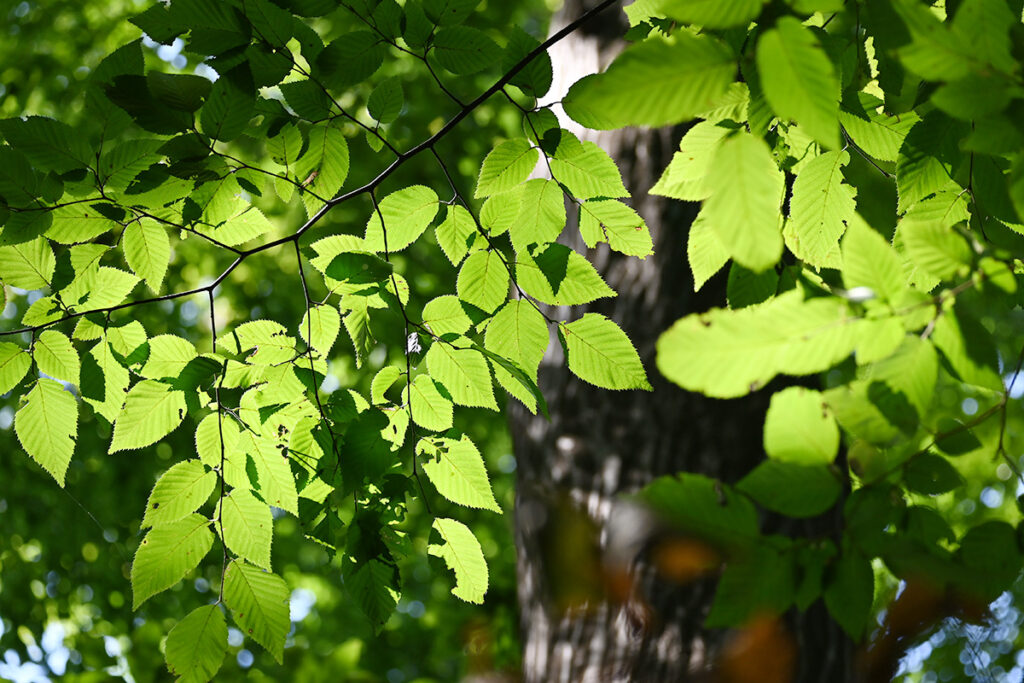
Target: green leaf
[78,223]
[14,364]
[704,507]
[457,234]
[607,220]
[850,592]
[47,426]
[819,210]
[935,248]
[704,251]
[456,469]
[152,410]
[167,554]
[428,407]
[196,645]
[325,165]
[586,169]
[792,489]
[463,373]
[744,209]
[350,58]
[356,319]
[799,79]
[519,333]
[464,50]
[501,211]
[541,215]
[44,310]
[406,214]
[686,175]
[270,341]
[120,166]
[869,261]
[931,474]
[463,555]
[247,224]
[927,159]
[128,341]
[747,288]
[276,481]
[910,373]
[25,226]
[558,275]
[386,101]
[104,381]
[483,280]
[448,12]
[247,526]
[259,602]
[208,446]
[147,250]
[536,77]
[725,353]
[56,356]
[759,582]
[307,99]
[880,134]
[273,23]
[29,265]
[653,83]
[178,493]
[446,315]
[968,348]
[230,105]
[371,585]
[358,268]
[992,555]
[507,165]
[712,13]
[319,328]
[50,145]
[382,381]
[800,429]
[168,356]
[599,352]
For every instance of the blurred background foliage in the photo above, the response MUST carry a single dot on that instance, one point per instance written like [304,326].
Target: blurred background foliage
[65,604]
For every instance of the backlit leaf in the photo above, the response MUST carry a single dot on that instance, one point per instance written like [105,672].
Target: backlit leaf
[259,603]
[799,80]
[167,554]
[507,165]
[599,352]
[463,555]
[178,493]
[248,526]
[147,250]
[47,426]
[196,645]
[456,470]
[653,83]
[152,410]
[744,210]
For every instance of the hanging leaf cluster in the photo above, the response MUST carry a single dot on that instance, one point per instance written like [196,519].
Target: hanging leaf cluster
[257,160]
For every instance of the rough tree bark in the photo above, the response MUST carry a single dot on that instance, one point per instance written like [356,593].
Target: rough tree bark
[600,444]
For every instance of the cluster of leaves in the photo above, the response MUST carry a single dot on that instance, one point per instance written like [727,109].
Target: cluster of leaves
[861,165]
[93,216]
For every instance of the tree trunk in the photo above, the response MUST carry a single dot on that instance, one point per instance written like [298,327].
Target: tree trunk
[579,622]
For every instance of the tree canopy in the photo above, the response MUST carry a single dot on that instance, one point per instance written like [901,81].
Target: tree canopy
[274,281]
